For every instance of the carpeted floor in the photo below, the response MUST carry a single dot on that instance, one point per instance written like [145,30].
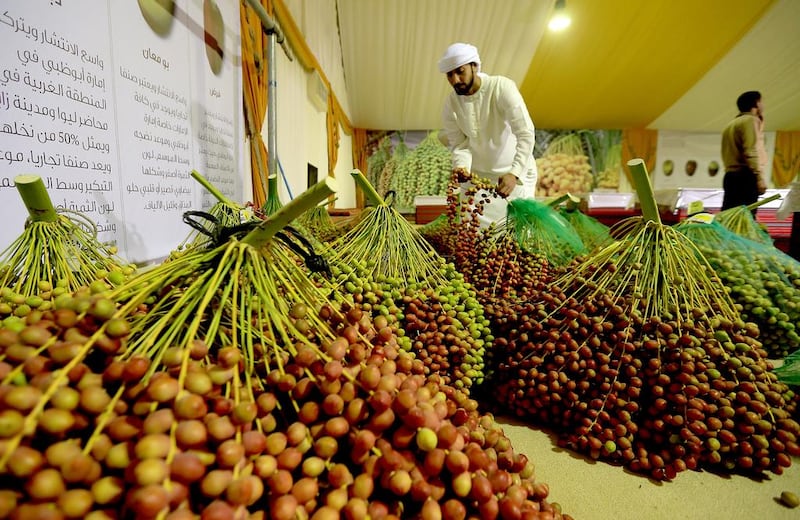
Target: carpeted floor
[590,490]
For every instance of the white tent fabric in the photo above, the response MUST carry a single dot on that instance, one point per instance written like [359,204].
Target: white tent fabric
[769,58]
[386,76]
[390,51]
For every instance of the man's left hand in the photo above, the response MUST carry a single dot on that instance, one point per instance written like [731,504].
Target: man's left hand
[761,186]
[506,184]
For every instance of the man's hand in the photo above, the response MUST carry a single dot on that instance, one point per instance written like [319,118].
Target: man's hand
[506,184]
[760,184]
[461,174]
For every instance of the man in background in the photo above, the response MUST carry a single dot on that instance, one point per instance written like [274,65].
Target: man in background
[488,129]
[743,153]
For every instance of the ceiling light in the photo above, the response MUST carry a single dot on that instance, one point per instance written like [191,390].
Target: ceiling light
[560,19]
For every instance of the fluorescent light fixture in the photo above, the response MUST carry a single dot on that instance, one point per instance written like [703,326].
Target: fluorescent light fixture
[560,19]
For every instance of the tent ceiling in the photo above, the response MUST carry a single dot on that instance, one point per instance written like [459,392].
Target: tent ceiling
[664,64]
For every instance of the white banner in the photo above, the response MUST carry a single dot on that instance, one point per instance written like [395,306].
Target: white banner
[113,104]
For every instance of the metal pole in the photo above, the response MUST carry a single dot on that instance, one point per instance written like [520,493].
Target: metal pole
[274,35]
[272,105]
[269,26]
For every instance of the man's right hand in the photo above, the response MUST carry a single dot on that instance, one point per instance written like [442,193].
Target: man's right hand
[461,174]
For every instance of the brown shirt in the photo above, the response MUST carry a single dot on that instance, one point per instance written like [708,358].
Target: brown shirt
[740,144]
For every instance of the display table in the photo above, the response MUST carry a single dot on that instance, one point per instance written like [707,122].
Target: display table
[610,216]
[427,208]
[781,231]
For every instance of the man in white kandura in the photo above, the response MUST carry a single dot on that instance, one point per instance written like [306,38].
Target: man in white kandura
[488,128]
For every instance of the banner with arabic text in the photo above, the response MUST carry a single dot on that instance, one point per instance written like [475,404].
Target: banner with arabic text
[114,104]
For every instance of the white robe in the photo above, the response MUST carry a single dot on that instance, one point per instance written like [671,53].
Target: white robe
[490,133]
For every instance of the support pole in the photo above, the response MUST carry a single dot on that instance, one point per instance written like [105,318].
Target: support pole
[274,35]
[272,112]
[269,25]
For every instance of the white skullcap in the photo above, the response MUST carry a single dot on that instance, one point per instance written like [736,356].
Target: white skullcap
[457,55]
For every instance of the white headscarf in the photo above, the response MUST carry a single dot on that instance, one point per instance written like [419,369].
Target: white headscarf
[459,54]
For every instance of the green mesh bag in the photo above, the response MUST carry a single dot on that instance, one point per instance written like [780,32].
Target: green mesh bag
[594,234]
[538,228]
[761,278]
[789,371]
[741,221]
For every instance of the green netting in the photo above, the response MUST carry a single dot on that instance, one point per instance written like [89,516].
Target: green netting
[789,371]
[539,228]
[593,233]
[741,221]
[762,279]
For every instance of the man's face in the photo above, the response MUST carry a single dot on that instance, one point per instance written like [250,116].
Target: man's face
[462,79]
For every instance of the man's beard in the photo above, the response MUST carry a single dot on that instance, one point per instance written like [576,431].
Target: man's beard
[462,89]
